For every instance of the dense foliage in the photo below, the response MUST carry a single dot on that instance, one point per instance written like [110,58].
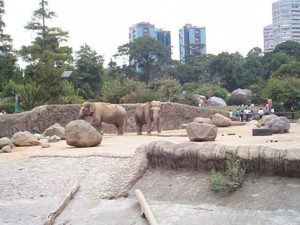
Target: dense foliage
[140,71]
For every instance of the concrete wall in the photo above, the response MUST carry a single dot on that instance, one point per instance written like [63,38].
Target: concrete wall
[40,118]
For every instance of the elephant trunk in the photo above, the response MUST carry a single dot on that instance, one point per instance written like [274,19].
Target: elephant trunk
[156,118]
[80,115]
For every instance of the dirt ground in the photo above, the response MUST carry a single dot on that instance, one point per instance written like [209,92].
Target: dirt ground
[33,181]
[125,145]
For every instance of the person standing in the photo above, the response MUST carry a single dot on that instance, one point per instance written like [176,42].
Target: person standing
[293,111]
[260,113]
[270,104]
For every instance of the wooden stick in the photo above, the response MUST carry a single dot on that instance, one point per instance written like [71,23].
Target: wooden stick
[146,211]
[51,216]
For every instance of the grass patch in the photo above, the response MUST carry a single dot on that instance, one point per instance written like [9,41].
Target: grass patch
[230,180]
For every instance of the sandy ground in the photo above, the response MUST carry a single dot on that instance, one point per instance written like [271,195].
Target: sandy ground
[125,145]
[33,181]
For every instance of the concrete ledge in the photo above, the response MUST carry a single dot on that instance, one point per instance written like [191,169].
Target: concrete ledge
[262,132]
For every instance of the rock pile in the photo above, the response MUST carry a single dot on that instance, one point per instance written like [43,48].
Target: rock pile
[5,145]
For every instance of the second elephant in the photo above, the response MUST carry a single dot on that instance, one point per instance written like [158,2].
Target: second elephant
[148,113]
[104,112]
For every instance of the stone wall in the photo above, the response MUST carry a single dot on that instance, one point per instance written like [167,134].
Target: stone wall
[40,118]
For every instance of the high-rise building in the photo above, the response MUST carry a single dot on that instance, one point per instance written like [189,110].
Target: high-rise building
[147,29]
[285,22]
[140,30]
[268,38]
[164,37]
[192,42]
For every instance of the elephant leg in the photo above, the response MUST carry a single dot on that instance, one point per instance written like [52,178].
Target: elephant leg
[97,124]
[139,128]
[158,127]
[120,129]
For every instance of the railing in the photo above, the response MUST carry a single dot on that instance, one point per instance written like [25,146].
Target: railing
[290,115]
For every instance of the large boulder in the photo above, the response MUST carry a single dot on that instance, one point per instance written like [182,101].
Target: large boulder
[221,121]
[279,125]
[240,96]
[266,119]
[216,101]
[55,129]
[201,131]
[202,120]
[24,139]
[80,133]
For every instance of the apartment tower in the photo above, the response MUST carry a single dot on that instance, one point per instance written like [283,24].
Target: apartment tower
[192,42]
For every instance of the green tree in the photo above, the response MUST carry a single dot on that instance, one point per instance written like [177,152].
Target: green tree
[8,67]
[46,57]
[146,55]
[226,70]
[288,69]
[290,48]
[89,69]
[252,68]
[167,89]
[29,93]
[183,73]
[283,90]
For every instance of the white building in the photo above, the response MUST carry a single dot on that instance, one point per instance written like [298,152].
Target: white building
[285,23]
[268,38]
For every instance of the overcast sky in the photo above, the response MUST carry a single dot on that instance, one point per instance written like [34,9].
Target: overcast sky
[231,25]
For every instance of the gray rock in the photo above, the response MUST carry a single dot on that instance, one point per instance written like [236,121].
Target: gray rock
[183,126]
[24,139]
[221,121]
[201,131]
[241,93]
[298,121]
[39,136]
[202,120]
[216,101]
[266,119]
[43,141]
[4,142]
[53,139]
[55,129]
[6,149]
[279,125]
[240,96]
[45,145]
[80,133]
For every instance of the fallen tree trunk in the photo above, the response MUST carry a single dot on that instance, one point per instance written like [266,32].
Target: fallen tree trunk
[146,211]
[51,216]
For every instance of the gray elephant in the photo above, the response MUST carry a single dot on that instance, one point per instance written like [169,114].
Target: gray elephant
[148,113]
[104,112]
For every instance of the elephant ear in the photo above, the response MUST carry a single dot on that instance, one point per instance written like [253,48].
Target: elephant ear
[92,108]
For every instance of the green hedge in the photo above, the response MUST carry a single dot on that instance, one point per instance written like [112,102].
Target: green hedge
[8,107]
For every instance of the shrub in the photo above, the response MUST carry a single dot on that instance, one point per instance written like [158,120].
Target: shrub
[230,181]
[238,101]
[8,107]
[139,97]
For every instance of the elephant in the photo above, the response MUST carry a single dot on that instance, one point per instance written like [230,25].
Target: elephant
[148,113]
[104,112]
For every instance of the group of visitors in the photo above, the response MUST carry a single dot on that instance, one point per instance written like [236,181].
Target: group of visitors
[242,113]
[245,113]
